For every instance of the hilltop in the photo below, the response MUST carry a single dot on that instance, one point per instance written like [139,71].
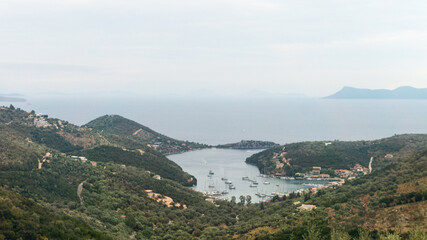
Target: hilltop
[121,131]
[398,93]
[28,136]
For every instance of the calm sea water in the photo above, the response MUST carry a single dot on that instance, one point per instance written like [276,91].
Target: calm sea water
[230,120]
[230,164]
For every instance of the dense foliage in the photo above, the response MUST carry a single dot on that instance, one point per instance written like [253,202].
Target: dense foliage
[149,160]
[337,154]
[390,203]
[122,131]
[22,218]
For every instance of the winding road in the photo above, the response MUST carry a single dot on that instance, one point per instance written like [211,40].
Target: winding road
[79,192]
[370,164]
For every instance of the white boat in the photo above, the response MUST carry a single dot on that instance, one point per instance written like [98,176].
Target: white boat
[211,172]
[224,192]
[266,182]
[252,185]
[211,186]
[224,179]
[228,182]
[231,187]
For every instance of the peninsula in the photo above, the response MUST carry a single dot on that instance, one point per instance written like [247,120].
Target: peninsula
[249,144]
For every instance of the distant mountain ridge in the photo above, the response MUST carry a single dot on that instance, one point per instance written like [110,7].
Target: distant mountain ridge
[249,144]
[405,92]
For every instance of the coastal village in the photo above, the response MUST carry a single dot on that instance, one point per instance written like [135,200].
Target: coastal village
[339,177]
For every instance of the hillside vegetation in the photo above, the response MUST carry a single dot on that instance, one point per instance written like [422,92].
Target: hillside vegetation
[116,194]
[301,157]
[121,131]
[248,144]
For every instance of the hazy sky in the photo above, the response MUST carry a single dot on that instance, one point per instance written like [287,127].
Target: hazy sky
[228,46]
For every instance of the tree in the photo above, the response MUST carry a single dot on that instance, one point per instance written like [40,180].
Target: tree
[248,199]
[233,199]
[11,107]
[242,199]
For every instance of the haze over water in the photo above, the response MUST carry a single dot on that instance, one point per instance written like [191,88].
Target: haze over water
[226,120]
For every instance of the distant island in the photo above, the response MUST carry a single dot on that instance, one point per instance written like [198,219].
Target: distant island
[11,98]
[249,144]
[405,92]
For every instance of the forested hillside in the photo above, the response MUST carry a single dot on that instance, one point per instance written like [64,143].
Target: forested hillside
[121,131]
[60,190]
[301,157]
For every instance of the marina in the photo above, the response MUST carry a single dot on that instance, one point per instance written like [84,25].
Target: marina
[223,173]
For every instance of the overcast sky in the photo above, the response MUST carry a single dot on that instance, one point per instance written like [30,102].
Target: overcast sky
[227,46]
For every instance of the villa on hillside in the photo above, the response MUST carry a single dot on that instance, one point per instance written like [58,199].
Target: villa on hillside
[307,207]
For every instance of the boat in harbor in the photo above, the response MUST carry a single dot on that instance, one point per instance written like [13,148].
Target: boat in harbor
[211,186]
[287,178]
[245,178]
[254,182]
[260,194]
[228,182]
[225,192]
[224,179]
[252,185]
[211,172]
[266,182]
[231,187]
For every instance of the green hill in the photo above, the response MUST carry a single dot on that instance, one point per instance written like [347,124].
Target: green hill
[301,157]
[149,160]
[116,192]
[121,131]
